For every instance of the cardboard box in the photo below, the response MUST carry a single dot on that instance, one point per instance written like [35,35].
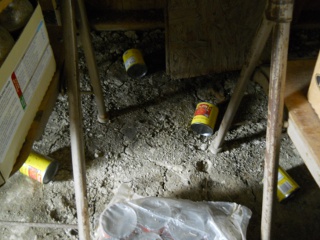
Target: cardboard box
[24,78]
[314,88]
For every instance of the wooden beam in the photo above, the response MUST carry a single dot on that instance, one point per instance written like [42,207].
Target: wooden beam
[126,25]
[304,124]
[68,17]
[127,20]
[104,5]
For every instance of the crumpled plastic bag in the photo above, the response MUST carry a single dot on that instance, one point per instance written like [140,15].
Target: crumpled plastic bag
[132,217]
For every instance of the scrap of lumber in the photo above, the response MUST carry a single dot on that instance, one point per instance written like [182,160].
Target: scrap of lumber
[304,124]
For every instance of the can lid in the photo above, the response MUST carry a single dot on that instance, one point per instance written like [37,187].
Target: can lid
[202,129]
[284,198]
[50,172]
[137,70]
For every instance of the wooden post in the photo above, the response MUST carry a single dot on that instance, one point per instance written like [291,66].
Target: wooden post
[279,11]
[91,61]
[77,146]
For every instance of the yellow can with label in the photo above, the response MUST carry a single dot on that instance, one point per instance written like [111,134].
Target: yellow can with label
[204,118]
[134,63]
[39,167]
[286,185]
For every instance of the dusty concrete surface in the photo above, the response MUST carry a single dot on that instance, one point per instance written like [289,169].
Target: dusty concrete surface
[149,145]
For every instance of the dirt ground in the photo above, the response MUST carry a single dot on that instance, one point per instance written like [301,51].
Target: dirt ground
[149,145]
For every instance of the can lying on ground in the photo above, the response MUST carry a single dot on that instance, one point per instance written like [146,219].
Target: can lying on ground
[204,118]
[134,63]
[39,167]
[286,185]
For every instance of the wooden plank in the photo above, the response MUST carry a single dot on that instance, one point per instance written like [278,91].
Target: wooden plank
[306,150]
[304,124]
[299,74]
[125,25]
[103,5]
[127,20]
[209,36]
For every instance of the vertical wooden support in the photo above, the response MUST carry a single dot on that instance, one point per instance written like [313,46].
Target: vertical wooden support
[91,61]
[76,135]
[273,137]
[280,11]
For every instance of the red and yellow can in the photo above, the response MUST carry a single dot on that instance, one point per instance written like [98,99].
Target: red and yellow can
[39,167]
[204,118]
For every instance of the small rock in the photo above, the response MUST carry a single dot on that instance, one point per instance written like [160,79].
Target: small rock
[131,34]
[128,151]
[98,153]
[203,146]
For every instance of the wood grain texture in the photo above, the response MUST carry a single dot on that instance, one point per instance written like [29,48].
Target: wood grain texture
[207,36]
[103,5]
[126,20]
[304,124]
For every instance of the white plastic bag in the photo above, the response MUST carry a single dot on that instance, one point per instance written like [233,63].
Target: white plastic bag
[129,216]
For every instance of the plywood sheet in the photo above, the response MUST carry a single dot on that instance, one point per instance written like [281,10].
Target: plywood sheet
[205,36]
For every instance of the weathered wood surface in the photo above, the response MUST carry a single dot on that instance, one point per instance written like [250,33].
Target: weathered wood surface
[304,124]
[126,20]
[125,4]
[207,36]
